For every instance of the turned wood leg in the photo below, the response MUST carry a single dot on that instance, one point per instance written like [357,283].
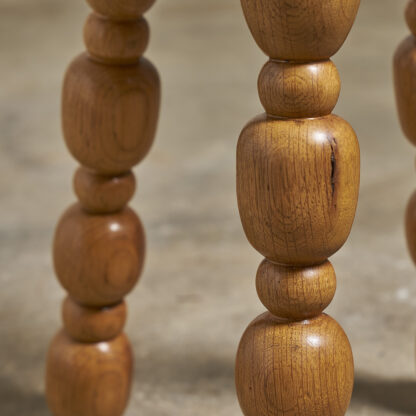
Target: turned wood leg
[298,169]
[110,106]
[405,85]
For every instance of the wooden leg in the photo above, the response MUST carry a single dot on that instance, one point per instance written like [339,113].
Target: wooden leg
[405,84]
[297,185]
[110,107]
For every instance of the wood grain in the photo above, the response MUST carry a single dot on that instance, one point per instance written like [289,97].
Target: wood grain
[298,174]
[110,107]
[299,90]
[302,368]
[98,258]
[297,186]
[300,30]
[110,126]
[88,379]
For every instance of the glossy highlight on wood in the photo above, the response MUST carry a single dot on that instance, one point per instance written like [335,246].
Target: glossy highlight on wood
[298,174]
[110,106]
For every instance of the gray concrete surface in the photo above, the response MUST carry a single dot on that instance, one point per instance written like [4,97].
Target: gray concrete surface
[197,294]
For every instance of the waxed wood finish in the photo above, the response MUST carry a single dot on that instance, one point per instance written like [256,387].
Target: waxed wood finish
[405,87]
[298,173]
[110,105]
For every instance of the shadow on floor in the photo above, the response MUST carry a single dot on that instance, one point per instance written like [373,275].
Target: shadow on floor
[395,395]
[16,402]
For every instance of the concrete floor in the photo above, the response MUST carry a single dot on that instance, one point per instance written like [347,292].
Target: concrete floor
[197,294]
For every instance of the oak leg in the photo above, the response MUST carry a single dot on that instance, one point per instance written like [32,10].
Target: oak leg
[110,105]
[297,187]
[405,85]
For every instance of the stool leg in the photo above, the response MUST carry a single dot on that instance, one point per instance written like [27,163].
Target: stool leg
[110,106]
[297,188]
[405,85]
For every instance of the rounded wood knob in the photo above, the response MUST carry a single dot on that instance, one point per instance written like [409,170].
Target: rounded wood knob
[121,9]
[411,16]
[297,187]
[300,30]
[103,194]
[115,42]
[109,113]
[98,258]
[299,90]
[89,324]
[405,85]
[295,293]
[303,369]
[88,379]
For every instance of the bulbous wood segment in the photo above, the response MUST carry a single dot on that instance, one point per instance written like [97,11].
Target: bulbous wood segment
[121,9]
[299,90]
[405,86]
[300,30]
[411,226]
[85,379]
[303,368]
[115,42]
[109,113]
[89,324]
[98,258]
[103,194]
[297,187]
[411,16]
[295,293]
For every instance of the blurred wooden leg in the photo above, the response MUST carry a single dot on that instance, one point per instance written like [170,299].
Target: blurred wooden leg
[297,185]
[110,106]
[405,84]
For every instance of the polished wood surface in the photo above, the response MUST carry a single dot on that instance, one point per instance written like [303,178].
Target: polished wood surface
[298,173]
[110,105]
[405,87]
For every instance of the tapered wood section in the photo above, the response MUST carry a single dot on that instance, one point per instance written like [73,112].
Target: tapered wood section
[110,106]
[298,174]
[405,87]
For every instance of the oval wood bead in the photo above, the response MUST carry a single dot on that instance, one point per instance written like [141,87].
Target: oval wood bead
[411,226]
[89,324]
[300,30]
[405,86]
[109,113]
[103,194]
[303,368]
[85,379]
[299,90]
[297,186]
[121,9]
[98,258]
[411,16]
[295,293]
[114,42]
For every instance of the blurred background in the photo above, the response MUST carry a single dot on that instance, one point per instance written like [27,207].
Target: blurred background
[197,293]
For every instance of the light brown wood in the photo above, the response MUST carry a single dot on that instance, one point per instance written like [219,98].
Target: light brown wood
[88,379]
[295,293]
[302,368]
[299,90]
[98,258]
[115,42]
[300,30]
[110,106]
[110,127]
[90,324]
[297,186]
[103,194]
[298,173]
